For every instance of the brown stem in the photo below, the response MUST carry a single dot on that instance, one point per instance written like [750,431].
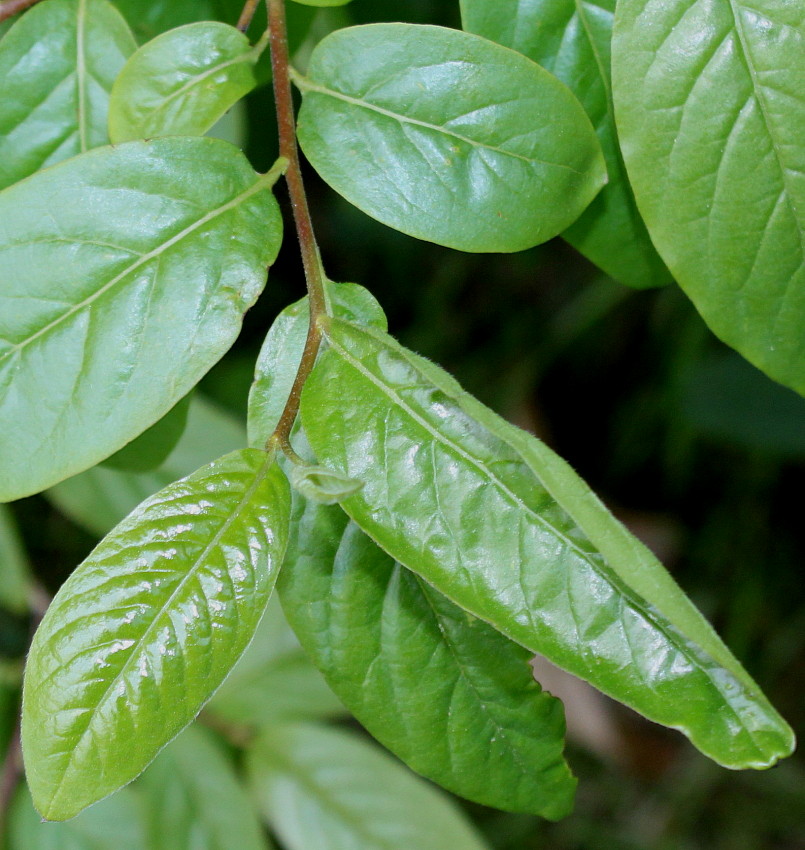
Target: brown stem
[247,14]
[12,7]
[314,275]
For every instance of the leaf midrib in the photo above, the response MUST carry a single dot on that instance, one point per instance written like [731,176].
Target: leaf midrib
[80,75]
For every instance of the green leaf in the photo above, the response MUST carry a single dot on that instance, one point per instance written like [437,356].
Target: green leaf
[449,695]
[153,446]
[14,568]
[447,136]
[323,3]
[113,824]
[281,352]
[182,82]
[274,680]
[149,19]
[100,497]
[194,800]
[115,303]
[503,527]
[711,116]
[573,40]
[57,66]
[154,618]
[328,789]
[321,484]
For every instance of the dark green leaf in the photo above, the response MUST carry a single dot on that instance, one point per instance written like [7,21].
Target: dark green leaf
[57,66]
[194,800]
[711,115]
[116,302]
[449,695]
[326,789]
[503,527]
[572,40]
[145,630]
[14,568]
[149,19]
[447,136]
[182,82]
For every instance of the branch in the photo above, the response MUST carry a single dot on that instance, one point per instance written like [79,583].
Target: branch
[13,7]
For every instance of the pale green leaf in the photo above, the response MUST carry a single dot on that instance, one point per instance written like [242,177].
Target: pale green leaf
[194,799]
[449,695]
[124,276]
[327,789]
[57,66]
[182,82]
[711,115]
[321,484]
[14,568]
[572,38]
[145,630]
[502,526]
[447,136]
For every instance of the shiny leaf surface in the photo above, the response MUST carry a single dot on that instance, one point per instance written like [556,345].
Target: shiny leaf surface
[116,302]
[502,526]
[711,115]
[57,66]
[447,136]
[328,789]
[573,40]
[449,695]
[181,83]
[145,630]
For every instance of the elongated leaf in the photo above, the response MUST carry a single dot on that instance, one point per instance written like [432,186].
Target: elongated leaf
[572,40]
[447,136]
[14,568]
[57,66]
[145,630]
[116,302]
[182,82]
[711,115]
[442,690]
[504,528]
[327,789]
[194,799]
[114,824]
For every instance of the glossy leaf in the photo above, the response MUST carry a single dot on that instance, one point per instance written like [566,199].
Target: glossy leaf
[116,302]
[182,82]
[274,680]
[14,568]
[113,824]
[328,789]
[449,695]
[503,527]
[281,352]
[194,799]
[99,498]
[57,66]
[145,630]
[711,116]
[447,136]
[573,41]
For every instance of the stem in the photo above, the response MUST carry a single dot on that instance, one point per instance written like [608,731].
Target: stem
[247,14]
[314,274]
[12,7]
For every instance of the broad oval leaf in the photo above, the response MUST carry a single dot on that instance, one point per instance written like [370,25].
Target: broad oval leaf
[447,136]
[182,82]
[194,799]
[145,630]
[449,695]
[57,66]
[124,276]
[502,526]
[328,789]
[711,115]
[573,40]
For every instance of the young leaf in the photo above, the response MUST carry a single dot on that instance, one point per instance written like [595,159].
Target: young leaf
[57,66]
[323,485]
[328,789]
[447,136]
[503,527]
[449,695]
[711,116]
[181,83]
[145,630]
[193,798]
[572,40]
[118,298]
